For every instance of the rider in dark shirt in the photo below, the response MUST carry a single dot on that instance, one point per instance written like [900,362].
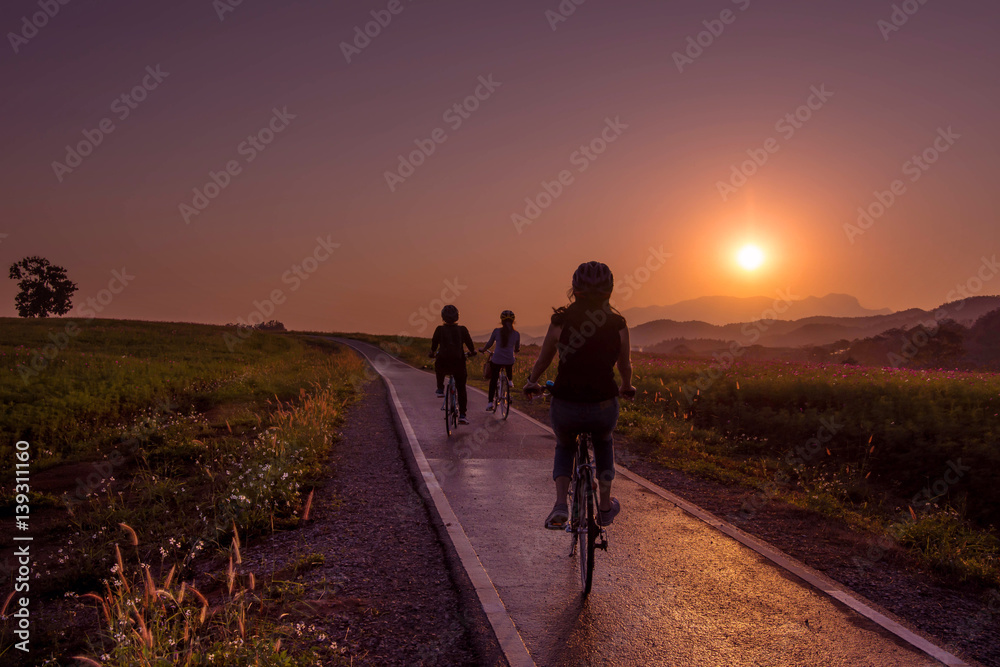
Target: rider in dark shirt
[591,339]
[447,349]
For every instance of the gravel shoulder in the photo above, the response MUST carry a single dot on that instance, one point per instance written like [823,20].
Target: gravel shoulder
[388,591]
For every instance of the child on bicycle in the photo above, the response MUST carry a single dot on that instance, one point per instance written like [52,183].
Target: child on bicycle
[592,339]
[447,349]
[508,344]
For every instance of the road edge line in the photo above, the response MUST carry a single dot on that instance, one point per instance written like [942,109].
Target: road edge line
[508,637]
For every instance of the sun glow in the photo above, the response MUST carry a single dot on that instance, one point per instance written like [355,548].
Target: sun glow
[750,257]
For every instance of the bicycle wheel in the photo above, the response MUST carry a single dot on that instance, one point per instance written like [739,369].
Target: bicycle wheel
[504,389]
[448,407]
[583,502]
[592,531]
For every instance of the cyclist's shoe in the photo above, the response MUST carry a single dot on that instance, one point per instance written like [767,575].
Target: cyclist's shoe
[462,419]
[439,393]
[489,406]
[607,518]
[557,517]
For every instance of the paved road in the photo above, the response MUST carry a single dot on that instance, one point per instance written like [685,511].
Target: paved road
[671,590]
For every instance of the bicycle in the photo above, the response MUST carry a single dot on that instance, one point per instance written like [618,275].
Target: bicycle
[587,535]
[502,398]
[450,406]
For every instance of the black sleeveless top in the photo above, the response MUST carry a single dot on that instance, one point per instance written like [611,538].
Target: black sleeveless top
[589,346]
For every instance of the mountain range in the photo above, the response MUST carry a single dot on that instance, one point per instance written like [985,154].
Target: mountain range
[962,335]
[722,310]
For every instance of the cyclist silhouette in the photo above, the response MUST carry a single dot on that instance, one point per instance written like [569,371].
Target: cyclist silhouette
[591,339]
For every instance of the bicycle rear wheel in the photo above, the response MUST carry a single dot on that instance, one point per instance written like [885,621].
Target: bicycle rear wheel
[586,528]
[504,390]
[448,407]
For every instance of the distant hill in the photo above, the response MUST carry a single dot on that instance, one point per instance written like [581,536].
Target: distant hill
[722,310]
[811,331]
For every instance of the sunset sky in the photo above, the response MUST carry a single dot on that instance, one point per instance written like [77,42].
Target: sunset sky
[639,132]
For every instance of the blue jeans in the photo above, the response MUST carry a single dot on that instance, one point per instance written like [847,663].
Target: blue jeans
[569,419]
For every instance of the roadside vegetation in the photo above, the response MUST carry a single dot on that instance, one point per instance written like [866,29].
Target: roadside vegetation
[157,448]
[911,456]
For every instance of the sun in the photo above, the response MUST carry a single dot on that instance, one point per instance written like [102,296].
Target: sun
[750,257]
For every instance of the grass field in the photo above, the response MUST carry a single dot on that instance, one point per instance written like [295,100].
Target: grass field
[913,455]
[156,448]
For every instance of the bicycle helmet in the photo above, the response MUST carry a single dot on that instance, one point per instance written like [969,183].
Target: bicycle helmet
[449,314]
[507,315]
[593,277]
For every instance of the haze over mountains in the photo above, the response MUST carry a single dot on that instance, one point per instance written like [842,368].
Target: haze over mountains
[815,330]
[834,328]
[721,310]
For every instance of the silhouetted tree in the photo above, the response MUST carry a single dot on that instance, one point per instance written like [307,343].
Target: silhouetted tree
[43,288]
[272,325]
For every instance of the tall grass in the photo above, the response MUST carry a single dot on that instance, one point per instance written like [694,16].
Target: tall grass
[219,441]
[110,372]
[147,623]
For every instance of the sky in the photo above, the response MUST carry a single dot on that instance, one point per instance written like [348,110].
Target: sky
[217,162]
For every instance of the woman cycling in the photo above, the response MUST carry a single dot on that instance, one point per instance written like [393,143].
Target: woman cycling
[447,347]
[591,339]
[508,344]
